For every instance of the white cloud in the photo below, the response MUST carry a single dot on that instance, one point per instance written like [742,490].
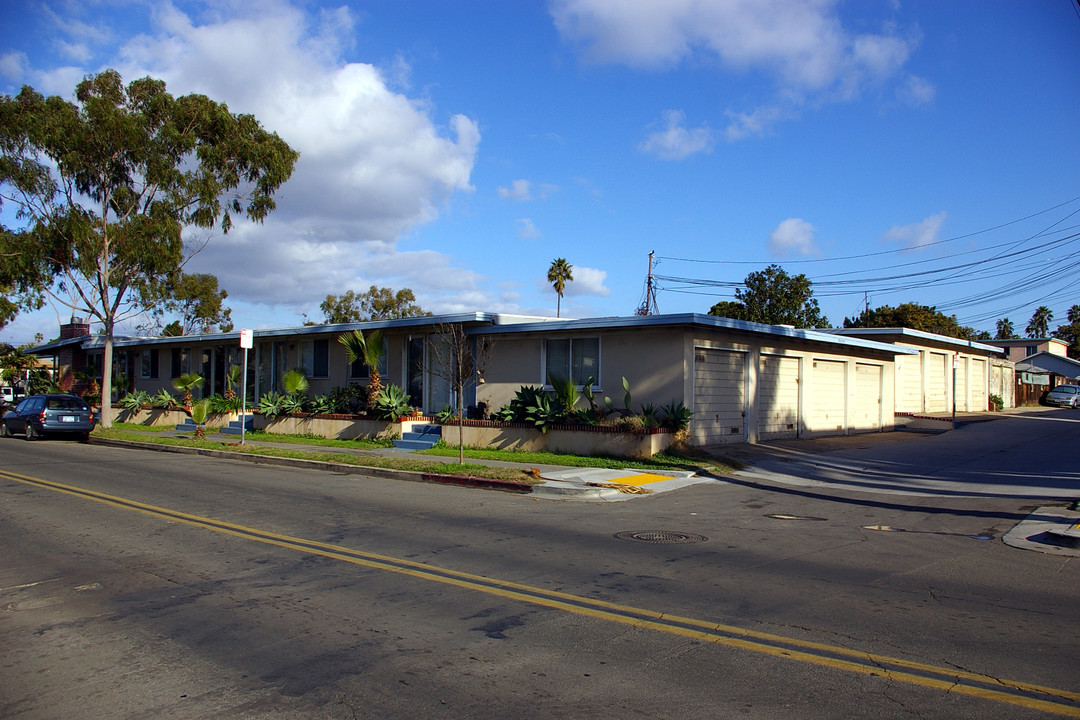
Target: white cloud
[918,234]
[917,91]
[802,45]
[13,66]
[793,236]
[527,230]
[374,164]
[519,190]
[675,142]
[587,281]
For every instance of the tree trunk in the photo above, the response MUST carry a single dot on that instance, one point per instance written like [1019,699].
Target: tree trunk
[460,426]
[106,378]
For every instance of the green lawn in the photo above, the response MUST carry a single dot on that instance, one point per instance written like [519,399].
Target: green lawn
[660,461]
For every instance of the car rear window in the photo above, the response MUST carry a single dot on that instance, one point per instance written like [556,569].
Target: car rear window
[65,404]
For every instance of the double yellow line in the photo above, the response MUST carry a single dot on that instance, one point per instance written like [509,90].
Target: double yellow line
[1012,692]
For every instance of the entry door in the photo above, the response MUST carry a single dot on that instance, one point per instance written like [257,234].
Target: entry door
[414,371]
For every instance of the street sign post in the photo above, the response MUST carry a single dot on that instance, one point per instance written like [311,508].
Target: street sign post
[247,339]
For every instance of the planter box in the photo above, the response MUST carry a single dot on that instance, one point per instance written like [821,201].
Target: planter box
[152,417]
[580,441]
[339,427]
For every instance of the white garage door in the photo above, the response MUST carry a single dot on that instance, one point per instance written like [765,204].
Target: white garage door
[979,401]
[829,397]
[936,398]
[961,385]
[867,397]
[719,396]
[910,369]
[778,397]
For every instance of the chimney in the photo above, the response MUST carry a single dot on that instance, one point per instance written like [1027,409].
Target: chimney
[78,327]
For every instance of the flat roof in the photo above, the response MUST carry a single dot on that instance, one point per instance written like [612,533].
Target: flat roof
[920,334]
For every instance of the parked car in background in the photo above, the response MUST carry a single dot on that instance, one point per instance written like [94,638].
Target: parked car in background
[10,394]
[54,413]
[1064,396]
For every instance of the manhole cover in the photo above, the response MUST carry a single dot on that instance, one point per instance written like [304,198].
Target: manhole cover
[661,537]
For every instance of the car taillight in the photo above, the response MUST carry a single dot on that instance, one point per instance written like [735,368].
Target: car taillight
[42,416]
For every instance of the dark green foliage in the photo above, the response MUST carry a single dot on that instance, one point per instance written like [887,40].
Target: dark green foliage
[773,297]
[350,399]
[914,316]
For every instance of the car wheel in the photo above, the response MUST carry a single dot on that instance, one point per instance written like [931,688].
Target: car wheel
[31,433]
[84,438]
[4,432]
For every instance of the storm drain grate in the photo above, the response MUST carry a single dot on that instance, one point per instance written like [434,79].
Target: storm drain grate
[661,537]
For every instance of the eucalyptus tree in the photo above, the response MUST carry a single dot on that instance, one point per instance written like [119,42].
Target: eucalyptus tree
[104,187]
[559,273]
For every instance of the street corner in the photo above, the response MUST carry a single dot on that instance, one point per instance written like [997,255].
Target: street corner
[602,484]
[1051,530]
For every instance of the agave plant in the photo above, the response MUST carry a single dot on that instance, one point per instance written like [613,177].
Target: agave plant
[135,400]
[321,405]
[164,399]
[392,403]
[200,411]
[186,383]
[270,404]
[677,416]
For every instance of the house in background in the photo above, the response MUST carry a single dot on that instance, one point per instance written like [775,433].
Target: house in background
[1020,348]
[743,381]
[944,370]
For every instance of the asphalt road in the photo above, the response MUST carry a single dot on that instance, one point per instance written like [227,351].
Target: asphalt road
[141,585]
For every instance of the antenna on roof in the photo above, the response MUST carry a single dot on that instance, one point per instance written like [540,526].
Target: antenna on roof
[648,304]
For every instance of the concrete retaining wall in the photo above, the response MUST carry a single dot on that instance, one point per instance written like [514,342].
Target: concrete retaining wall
[342,427]
[576,442]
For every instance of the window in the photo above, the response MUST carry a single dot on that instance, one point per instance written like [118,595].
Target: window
[149,364]
[179,362]
[1031,349]
[359,371]
[576,358]
[315,358]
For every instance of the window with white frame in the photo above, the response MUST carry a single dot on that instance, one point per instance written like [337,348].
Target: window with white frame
[575,358]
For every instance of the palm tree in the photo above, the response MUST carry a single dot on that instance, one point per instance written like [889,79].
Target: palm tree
[233,376]
[1073,314]
[186,383]
[560,273]
[1005,329]
[1039,327]
[368,350]
[200,411]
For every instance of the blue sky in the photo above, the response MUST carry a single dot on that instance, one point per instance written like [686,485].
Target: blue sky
[457,148]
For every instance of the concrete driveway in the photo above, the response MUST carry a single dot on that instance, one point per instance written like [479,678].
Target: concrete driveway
[1024,454]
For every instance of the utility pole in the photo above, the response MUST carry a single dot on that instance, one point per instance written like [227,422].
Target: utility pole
[648,305]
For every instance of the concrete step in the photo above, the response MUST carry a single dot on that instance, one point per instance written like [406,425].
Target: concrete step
[420,437]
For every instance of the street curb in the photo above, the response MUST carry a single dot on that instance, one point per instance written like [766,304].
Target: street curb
[384,473]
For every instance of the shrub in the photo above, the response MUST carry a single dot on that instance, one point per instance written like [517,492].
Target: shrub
[392,403]
[135,400]
[271,404]
[349,399]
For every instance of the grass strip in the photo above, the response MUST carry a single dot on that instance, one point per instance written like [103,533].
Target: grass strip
[442,468]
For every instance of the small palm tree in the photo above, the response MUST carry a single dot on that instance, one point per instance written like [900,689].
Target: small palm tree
[200,411]
[232,379]
[186,383]
[560,273]
[368,350]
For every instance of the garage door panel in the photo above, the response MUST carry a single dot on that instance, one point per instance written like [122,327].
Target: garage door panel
[867,397]
[828,397]
[719,396]
[778,397]
[936,395]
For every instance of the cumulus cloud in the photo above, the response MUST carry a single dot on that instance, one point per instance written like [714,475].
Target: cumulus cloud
[527,230]
[793,236]
[587,281]
[673,141]
[13,66]
[918,234]
[374,163]
[803,46]
[519,190]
